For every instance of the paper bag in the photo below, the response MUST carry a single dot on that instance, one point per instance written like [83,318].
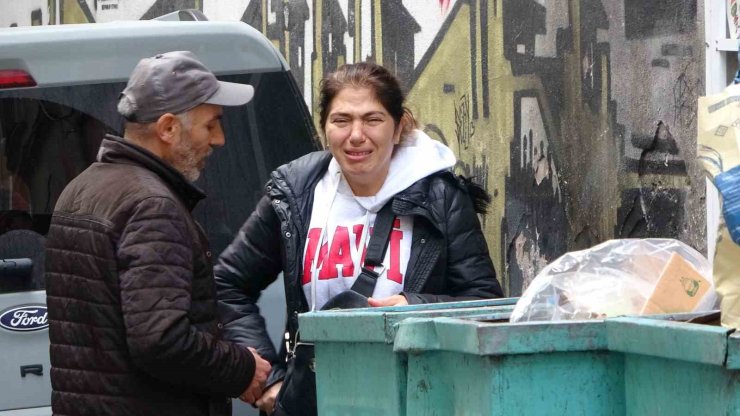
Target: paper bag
[718,142]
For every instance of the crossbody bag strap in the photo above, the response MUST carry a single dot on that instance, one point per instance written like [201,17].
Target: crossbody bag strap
[376,248]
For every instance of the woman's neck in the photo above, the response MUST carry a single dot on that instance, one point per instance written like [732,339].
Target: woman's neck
[370,187]
[364,189]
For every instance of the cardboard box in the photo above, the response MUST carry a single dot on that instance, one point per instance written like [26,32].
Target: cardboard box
[679,288]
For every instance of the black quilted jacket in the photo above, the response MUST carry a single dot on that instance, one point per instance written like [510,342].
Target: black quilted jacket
[131,296]
[449,257]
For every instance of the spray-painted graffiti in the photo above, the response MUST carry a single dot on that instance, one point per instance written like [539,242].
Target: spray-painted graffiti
[464,127]
[578,116]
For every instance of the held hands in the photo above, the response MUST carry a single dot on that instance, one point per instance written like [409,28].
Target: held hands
[395,300]
[266,403]
[261,371]
[266,400]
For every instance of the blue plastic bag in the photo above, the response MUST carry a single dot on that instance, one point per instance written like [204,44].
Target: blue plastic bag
[728,184]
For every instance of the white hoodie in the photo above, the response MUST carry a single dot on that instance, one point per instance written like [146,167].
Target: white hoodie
[340,221]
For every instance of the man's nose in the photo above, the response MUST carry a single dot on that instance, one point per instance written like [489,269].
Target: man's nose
[217,138]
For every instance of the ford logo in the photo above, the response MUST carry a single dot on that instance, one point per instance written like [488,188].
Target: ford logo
[24,318]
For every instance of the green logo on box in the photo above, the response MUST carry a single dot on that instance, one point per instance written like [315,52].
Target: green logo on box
[691,286]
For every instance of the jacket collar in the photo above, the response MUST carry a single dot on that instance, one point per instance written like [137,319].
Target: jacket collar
[114,149]
[301,175]
[297,180]
[415,200]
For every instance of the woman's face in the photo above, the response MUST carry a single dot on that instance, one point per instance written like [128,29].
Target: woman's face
[361,135]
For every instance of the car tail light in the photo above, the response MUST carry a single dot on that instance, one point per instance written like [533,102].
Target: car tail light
[14,78]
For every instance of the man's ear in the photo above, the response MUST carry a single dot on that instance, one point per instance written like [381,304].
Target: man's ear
[168,128]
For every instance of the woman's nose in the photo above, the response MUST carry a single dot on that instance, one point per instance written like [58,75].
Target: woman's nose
[356,134]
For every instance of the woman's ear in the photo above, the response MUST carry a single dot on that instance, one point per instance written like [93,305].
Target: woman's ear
[168,128]
[399,130]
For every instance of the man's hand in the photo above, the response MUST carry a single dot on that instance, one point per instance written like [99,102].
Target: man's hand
[261,371]
[395,300]
[266,403]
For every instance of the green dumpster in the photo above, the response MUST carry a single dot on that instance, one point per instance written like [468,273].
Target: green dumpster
[675,368]
[476,367]
[620,366]
[357,371]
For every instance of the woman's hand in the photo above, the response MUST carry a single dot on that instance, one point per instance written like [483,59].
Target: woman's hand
[266,403]
[395,300]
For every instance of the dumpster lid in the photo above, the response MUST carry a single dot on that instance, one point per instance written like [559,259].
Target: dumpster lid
[479,337]
[733,351]
[379,324]
[676,340]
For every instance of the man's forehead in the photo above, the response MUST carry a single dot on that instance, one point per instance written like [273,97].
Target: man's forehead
[209,111]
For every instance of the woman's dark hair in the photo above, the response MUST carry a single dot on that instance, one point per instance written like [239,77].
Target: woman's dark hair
[478,194]
[377,79]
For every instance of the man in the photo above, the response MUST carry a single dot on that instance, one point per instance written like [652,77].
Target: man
[130,287]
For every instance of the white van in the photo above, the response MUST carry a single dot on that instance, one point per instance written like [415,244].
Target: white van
[59,87]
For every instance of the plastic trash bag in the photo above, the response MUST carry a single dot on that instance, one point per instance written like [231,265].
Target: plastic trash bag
[614,278]
[728,184]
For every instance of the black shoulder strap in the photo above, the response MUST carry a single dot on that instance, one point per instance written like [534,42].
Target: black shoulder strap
[376,248]
[378,243]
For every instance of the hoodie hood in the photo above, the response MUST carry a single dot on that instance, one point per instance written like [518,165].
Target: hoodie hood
[417,157]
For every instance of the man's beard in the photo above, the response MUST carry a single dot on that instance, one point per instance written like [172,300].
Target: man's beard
[186,159]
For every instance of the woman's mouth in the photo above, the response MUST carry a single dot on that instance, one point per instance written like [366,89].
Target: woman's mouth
[354,155]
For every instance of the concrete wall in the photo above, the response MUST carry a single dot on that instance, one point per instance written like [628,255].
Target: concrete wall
[579,116]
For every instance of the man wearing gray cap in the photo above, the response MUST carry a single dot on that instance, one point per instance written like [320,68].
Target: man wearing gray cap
[130,290]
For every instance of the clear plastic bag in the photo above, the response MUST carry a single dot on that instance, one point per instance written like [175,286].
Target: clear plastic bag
[614,278]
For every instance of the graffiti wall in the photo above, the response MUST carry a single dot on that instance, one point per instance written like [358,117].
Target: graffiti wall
[578,116]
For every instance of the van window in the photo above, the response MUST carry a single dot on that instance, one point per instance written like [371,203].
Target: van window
[49,135]
[44,145]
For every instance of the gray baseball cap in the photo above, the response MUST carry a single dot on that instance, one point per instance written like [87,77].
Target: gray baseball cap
[175,82]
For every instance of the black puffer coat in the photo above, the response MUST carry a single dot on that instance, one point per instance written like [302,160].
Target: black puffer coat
[131,296]
[449,257]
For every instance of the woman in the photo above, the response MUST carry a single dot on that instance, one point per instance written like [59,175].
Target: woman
[314,222]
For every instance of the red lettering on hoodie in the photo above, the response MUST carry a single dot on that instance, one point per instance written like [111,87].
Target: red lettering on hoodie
[339,256]
[314,234]
[364,251]
[394,269]
[357,229]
